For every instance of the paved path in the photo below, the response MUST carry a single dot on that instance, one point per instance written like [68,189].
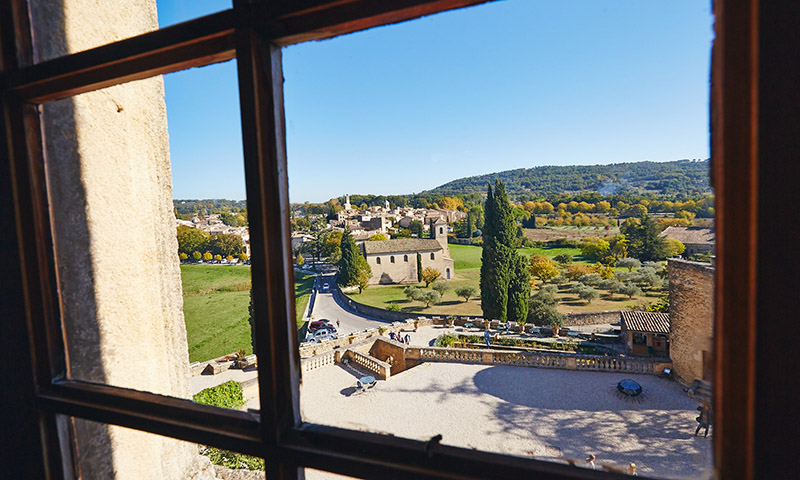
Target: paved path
[326,307]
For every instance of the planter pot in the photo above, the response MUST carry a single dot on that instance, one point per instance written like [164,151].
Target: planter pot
[241,364]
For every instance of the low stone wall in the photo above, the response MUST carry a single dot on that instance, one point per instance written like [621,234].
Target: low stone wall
[592,318]
[345,341]
[218,365]
[564,361]
[375,312]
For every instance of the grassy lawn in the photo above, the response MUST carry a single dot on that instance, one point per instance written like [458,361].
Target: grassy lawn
[215,308]
[302,294]
[467,259]
[216,324]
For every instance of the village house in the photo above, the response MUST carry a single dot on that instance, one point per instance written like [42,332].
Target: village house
[645,333]
[395,261]
[696,239]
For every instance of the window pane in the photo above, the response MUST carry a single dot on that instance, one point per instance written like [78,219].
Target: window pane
[110,451]
[71,26]
[562,105]
[128,168]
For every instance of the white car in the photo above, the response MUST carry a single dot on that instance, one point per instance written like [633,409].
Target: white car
[325,287]
[322,336]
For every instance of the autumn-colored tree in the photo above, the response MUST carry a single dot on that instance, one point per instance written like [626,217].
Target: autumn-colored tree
[377,237]
[197,255]
[673,248]
[430,275]
[243,257]
[543,268]
[451,203]
[182,256]
[218,257]
[300,261]
[229,258]
[208,257]
[594,248]
[573,272]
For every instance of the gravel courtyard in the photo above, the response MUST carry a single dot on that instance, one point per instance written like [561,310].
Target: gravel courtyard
[540,413]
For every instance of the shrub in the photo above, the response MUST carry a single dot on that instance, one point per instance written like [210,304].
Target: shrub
[393,307]
[629,263]
[430,298]
[466,292]
[630,290]
[225,395]
[441,287]
[563,259]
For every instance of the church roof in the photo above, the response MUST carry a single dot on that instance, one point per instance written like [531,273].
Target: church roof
[401,245]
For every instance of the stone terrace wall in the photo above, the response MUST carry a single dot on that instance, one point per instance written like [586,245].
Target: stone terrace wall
[691,314]
[374,312]
[591,318]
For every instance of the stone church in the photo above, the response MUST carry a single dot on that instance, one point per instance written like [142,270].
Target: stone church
[395,261]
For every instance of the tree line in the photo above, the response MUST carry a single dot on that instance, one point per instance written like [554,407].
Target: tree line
[198,244]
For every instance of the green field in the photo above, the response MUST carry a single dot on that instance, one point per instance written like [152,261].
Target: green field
[215,308]
[467,260]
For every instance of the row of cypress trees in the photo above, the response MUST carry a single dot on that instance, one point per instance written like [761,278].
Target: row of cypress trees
[505,277]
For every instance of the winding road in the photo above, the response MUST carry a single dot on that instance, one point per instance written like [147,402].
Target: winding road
[326,307]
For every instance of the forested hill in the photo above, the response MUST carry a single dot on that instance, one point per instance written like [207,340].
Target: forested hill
[676,179]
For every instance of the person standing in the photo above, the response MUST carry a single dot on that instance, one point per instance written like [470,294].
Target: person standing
[704,419]
[486,337]
[590,462]
[408,339]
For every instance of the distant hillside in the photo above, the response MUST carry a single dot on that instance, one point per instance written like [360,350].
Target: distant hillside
[678,178]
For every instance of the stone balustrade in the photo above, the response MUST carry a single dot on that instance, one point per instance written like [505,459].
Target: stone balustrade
[318,361]
[380,368]
[566,361]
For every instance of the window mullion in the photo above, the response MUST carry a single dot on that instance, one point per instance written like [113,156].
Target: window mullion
[261,96]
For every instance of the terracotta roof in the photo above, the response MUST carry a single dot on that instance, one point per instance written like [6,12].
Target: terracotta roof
[691,235]
[401,245]
[638,321]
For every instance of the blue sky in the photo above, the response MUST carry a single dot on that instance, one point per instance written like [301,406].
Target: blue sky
[406,108]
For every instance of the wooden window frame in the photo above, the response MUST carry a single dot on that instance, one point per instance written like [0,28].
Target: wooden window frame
[253,32]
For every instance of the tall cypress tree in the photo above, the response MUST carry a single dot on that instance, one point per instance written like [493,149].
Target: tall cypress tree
[519,289]
[502,294]
[348,264]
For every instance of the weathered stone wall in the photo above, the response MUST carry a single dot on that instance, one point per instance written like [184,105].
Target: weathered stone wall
[691,313]
[386,349]
[110,190]
[402,270]
[591,318]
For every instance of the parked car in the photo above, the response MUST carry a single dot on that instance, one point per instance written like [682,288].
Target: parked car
[323,335]
[317,324]
[325,287]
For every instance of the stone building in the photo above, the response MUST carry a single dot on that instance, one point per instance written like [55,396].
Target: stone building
[691,313]
[395,261]
[645,333]
[696,239]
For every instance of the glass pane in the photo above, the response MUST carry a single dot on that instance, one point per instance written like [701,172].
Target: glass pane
[515,312]
[110,451]
[146,184]
[71,26]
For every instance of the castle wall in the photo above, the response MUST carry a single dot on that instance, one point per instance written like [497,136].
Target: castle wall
[691,313]
[107,161]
